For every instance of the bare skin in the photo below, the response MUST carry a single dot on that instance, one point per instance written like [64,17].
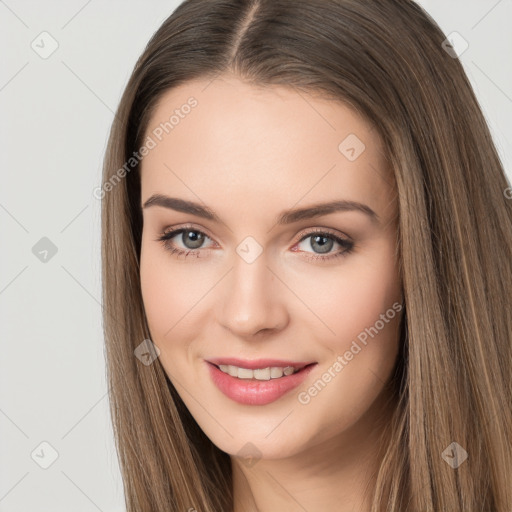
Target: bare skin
[249,154]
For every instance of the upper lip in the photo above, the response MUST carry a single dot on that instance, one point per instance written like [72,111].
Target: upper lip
[254,364]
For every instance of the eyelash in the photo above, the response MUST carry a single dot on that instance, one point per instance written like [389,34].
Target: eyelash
[167,235]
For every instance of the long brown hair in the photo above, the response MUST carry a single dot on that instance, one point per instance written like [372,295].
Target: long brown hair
[454,375]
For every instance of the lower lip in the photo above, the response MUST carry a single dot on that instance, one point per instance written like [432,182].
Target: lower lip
[256,392]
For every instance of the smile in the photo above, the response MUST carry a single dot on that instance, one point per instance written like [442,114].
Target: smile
[265,382]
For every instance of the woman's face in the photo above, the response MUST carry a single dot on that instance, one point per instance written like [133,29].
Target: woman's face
[264,276]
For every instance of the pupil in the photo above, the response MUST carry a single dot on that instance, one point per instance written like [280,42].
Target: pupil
[192,238]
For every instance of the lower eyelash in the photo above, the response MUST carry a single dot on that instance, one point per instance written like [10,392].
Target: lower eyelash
[182,252]
[165,237]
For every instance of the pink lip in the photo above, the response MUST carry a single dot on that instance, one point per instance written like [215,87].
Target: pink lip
[257,392]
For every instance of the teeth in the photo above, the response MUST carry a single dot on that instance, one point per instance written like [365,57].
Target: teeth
[245,373]
[259,373]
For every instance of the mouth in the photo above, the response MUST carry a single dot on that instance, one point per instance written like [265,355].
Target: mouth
[257,382]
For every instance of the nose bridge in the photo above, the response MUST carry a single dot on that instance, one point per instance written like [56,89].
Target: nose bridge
[250,300]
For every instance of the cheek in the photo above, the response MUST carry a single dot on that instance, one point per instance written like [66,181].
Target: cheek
[168,292]
[351,297]
[158,297]
[362,308]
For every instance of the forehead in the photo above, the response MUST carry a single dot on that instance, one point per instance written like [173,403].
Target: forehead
[227,138]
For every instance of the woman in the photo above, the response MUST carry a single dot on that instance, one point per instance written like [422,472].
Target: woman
[307,248]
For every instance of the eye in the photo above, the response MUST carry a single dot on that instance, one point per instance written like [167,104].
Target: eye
[322,242]
[191,240]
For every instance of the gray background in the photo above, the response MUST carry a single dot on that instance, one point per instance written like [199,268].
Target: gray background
[56,113]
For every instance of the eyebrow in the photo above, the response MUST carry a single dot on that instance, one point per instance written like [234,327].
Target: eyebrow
[287,217]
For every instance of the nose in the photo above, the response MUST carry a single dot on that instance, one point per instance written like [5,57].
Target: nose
[252,299]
